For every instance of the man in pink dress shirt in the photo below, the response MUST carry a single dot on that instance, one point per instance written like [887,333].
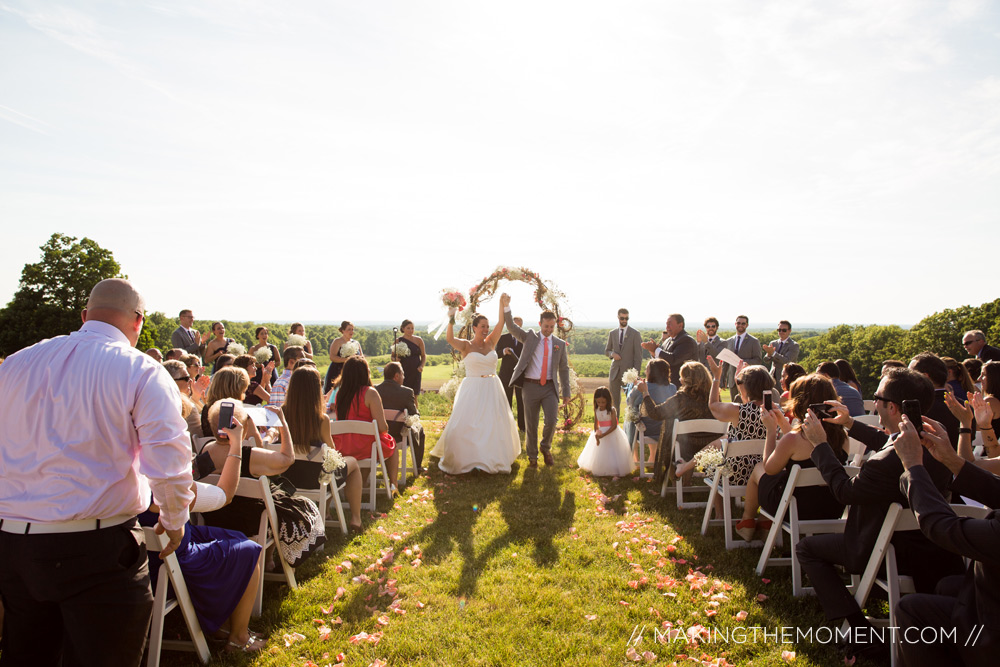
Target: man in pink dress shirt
[91,429]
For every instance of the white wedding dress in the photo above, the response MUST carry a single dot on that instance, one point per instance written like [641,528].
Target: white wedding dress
[481,432]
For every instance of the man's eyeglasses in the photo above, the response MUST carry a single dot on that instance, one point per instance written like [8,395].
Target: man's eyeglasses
[782,330]
[186,378]
[968,343]
[623,319]
[876,397]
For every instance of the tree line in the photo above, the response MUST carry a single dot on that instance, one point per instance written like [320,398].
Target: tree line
[53,291]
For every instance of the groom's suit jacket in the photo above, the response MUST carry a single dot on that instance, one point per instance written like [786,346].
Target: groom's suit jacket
[630,352]
[559,360]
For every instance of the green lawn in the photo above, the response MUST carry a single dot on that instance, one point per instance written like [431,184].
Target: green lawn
[544,566]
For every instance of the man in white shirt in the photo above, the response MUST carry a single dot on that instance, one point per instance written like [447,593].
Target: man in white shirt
[782,351]
[709,340]
[747,348]
[92,431]
[624,348]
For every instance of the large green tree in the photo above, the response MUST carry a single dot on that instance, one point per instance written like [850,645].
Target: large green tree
[54,291]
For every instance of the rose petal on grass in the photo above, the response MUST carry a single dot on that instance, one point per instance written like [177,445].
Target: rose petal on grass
[383,620]
[741,615]
[766,581]
[590,617]
[761,597]
[788,656]
[326,610]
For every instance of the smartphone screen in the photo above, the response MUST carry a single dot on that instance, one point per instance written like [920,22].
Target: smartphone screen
[225,417]
[911,408]
[768,401]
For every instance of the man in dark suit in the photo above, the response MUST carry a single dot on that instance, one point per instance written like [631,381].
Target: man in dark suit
[968,603]
[975,344]
[935,370]
[625,351]
[543,372]
[186,338]
[395,396]
[869,495]
[509,350]
[676,347]
[747,348]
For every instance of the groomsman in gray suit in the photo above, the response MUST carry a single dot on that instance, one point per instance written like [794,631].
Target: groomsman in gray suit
[625,350]
[186,338]
[709,340]
[543,374]
[782,351]
[746,348]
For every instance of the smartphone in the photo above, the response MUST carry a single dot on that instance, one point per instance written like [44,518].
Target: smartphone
[822,410]
[226,417]
[911,408]
[768,401]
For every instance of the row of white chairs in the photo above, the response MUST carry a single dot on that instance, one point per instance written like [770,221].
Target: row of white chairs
[786,520]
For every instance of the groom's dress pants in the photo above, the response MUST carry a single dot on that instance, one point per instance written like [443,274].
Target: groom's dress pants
[537,396]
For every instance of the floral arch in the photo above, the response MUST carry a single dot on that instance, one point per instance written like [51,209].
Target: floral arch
[547,297]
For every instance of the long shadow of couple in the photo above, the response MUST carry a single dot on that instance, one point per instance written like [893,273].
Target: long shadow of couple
[535,511]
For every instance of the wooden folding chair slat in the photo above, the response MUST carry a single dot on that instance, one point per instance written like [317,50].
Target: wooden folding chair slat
[170,575]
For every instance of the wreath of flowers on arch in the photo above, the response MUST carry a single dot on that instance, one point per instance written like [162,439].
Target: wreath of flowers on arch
[547,297]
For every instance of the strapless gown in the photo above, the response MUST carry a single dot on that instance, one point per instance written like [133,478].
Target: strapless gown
[481,432]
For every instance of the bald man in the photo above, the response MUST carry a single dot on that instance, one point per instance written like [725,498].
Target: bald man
[92,432]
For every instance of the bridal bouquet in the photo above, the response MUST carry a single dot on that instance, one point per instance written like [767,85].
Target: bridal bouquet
[262,355]
[401,349]
[296,339]
[451,298]
[350,348]
[631,376]
[235,349]
[332,461]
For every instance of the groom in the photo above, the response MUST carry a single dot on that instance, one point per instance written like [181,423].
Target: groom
[535,372]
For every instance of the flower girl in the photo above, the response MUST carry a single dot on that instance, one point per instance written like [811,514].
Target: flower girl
[607,451]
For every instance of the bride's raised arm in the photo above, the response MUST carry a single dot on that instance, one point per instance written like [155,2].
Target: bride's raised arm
[494,336]
[459,344]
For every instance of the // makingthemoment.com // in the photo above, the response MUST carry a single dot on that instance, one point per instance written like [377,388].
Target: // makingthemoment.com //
[753,634]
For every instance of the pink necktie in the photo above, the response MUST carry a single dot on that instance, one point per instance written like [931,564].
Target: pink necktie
[545,361]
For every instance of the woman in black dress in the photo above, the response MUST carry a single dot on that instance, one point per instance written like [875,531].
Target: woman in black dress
[336,360]
[262,333]
[413,363]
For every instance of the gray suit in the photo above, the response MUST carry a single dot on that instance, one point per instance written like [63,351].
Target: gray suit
[631,357]
[751,352]
[784,353]
[189,342]
[712,347]
[536,395]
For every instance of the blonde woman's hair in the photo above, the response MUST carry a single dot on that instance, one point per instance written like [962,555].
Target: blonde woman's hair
[229,382]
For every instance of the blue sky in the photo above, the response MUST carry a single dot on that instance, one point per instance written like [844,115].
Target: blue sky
[331,160]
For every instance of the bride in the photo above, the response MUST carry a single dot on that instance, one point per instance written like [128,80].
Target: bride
[481,432]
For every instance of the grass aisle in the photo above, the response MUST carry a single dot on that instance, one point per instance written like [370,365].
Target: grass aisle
[540,567]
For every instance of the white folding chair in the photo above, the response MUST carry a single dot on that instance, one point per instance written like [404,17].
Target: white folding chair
[323,494]
[712,426]
[374,463]
[405,445]
[260,489]
[170,576]
[871,420]
[719,486]
[894,584]
[869,406]
[857,452]
[797,528]
[639,443]
[198,443]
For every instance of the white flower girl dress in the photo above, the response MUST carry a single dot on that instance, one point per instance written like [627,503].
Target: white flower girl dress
[613,456]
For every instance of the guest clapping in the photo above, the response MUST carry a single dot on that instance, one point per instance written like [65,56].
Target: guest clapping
[258,392]
[218,344]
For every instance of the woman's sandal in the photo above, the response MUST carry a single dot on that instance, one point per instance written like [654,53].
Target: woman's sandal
[252,645]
